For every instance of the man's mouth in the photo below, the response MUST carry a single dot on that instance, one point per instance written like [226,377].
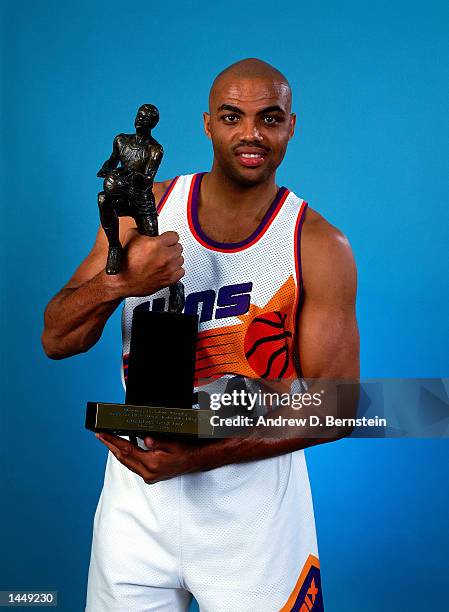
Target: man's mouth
[251,159]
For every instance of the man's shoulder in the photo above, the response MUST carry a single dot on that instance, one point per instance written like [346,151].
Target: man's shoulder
[160,188]
[319,233]
[323,246]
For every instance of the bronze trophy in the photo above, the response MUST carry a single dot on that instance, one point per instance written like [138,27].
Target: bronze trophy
[159,390]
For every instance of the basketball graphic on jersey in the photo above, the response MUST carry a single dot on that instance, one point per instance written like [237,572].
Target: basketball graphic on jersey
[267,345]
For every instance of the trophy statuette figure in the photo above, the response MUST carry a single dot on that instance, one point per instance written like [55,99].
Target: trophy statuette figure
[128,190]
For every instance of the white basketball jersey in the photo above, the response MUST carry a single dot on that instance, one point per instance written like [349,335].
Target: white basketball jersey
[246,294]
[241,536]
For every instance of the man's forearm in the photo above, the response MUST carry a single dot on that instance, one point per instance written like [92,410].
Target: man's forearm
[75,317]
[238,450]
[264,441]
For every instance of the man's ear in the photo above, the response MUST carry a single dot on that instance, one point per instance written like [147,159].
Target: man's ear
[292,125]
[206,119]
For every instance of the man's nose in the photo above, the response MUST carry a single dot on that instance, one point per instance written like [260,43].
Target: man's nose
[250,130]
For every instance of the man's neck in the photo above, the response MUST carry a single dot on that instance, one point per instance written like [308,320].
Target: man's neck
[220,193]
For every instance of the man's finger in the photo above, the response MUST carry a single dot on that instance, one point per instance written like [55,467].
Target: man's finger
[127,458]
[165,445]
[168,238]
[159,443]
[115,450]
[122,445]
[150,442]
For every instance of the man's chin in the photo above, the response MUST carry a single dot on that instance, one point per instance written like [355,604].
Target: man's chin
[249,177]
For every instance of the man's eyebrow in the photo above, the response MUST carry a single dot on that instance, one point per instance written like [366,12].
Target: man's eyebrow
[236,109]
[271,109]
[229,107]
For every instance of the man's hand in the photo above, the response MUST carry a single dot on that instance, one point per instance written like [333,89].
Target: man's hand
[150,264]
[164,459]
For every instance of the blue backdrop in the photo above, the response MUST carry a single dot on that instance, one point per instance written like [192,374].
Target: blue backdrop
[370,90]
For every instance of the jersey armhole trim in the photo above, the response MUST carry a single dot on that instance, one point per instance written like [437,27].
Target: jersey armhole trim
[299,283]
[166,195]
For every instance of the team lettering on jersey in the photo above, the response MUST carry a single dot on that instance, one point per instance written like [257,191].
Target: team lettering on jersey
[229,301]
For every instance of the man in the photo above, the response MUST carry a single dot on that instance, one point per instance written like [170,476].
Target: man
[230,521]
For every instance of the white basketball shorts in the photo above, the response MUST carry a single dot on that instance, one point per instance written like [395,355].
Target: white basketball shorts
[240,538]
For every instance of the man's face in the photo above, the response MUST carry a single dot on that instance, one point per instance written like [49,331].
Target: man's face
[250,125]
[145,118]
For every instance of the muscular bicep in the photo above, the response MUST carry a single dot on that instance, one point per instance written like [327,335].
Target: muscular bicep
[328,341]
[328,335]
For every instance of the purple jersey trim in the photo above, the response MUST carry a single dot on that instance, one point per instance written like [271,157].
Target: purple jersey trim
[225,246]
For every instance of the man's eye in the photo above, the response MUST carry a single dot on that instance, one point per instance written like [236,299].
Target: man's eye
[270,120]
[231,118]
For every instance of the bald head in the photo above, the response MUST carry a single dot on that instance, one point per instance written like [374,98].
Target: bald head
[250,69]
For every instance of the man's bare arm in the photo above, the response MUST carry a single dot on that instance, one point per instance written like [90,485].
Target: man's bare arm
[328,333]
[74,319]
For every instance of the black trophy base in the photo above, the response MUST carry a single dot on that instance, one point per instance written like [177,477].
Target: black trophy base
[130,420]
[161,366]
[160,382]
